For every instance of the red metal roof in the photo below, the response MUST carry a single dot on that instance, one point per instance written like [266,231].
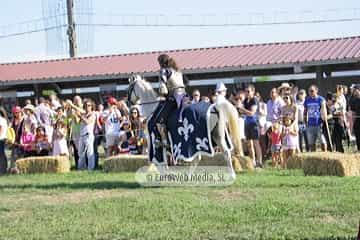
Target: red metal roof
[243,56]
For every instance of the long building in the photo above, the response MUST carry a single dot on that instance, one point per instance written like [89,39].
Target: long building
[325,62]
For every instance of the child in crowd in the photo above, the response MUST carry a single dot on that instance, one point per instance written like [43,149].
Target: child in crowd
[275,137]
[26,140]
[126,138]
[60,147]
[41,145]
[289,139]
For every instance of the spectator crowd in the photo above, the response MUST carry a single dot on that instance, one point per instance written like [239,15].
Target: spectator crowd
[291,120]
[78,127]
[297,120]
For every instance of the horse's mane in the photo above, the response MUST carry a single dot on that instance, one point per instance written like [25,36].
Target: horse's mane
[149,90]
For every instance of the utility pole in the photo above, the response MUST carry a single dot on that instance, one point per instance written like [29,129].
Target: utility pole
[71,28]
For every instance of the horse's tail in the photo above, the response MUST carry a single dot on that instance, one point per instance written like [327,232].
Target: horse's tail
[232,117]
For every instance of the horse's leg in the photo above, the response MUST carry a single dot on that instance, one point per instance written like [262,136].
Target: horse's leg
[222,139]
[164,143]
[194,165]
[214,131]
[227,154]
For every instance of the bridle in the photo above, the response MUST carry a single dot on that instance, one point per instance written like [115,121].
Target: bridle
[131,90]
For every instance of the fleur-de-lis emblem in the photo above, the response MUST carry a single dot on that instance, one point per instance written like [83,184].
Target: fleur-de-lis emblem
[177,150]
[202,144]
[186,129]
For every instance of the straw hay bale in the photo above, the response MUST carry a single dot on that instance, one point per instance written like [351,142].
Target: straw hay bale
[125,163]
[295,162]
[246,162]
[131,163]
[331,164]
[239,163]
[46,164]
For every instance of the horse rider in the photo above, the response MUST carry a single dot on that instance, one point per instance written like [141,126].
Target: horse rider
[172,88]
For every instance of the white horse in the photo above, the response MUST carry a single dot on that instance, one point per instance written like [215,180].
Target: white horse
[141,92]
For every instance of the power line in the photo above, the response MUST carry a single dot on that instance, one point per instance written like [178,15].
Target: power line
[32,21]
[31,31]
[219,25]
[170,25]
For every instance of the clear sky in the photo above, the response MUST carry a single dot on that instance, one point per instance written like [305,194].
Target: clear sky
[127,40]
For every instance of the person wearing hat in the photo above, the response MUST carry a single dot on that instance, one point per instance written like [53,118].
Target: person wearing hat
[30,118]
[221,89]
[112,118]
[355,108]
[285,89]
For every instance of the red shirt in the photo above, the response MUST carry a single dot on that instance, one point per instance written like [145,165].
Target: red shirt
[275,138]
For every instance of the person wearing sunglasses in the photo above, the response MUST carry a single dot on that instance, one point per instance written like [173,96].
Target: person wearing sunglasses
[137,128]
[86,142]
[289,109]
[314,115]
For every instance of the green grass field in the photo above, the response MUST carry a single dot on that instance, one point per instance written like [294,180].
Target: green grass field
[269,204]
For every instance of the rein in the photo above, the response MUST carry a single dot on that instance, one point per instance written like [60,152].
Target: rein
[131,90]
[146,103]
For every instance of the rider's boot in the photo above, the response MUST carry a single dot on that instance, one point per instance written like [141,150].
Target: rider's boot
[163,134]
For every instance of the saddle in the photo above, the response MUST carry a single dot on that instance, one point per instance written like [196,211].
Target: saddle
[188,133]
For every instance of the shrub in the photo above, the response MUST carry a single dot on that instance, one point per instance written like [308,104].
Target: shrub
[125,163]
[331,164]
[46,164]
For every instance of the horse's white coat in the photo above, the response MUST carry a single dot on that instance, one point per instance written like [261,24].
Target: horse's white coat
[145,95]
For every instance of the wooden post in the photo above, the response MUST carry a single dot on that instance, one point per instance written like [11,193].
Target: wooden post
[319,76]
[71,28]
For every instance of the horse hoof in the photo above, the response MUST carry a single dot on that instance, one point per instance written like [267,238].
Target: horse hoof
[233,175]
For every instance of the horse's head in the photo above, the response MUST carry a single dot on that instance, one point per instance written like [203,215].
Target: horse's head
[142,93]
[133,98]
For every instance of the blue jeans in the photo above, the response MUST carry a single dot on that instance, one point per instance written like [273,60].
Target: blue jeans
[86,151]
[97,142]
[313,133]
[303,137]
[3,159]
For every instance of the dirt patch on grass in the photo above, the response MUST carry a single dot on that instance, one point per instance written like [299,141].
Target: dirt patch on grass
[328,219]
[64,197]
[78,197]
[232,195]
